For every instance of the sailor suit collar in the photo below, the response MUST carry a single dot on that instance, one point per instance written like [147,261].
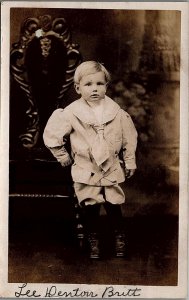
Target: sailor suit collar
[82,110]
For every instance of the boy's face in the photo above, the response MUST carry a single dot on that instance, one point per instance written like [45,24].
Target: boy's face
[92,87]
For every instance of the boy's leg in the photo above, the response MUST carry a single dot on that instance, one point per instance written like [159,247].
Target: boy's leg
[114,196]
[115,217]
[90,198]
[91,215]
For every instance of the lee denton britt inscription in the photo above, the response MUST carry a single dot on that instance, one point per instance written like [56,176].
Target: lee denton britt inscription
[53,291]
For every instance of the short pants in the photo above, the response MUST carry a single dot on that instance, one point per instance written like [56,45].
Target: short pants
[99,194]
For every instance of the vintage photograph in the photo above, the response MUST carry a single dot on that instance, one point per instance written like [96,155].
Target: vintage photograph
[95,165]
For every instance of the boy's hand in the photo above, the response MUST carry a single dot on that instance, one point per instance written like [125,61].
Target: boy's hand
[129,172]
[66,162]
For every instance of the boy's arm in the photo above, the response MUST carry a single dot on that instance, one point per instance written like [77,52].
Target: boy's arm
[62,156]
[129,144]
[54,136]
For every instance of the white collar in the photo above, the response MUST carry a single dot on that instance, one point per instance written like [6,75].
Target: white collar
[82,110]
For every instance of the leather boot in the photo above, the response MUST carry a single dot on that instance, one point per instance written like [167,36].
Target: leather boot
[94,251]
[119,244]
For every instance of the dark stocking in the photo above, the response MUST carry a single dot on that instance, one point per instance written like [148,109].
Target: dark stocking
[91,218]
[115,217]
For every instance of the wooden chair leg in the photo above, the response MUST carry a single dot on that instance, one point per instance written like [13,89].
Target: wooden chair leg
[79,226]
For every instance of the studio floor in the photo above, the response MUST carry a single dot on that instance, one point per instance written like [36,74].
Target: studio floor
[43,247]
[62,262]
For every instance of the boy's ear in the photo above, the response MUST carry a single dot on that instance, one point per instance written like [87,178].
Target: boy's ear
[76,85]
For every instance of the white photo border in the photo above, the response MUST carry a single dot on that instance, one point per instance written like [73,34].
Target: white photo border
[9,289]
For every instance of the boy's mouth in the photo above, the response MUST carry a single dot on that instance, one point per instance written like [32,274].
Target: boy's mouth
[94,95]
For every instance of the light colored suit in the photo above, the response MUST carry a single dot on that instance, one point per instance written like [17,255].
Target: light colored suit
[95,148]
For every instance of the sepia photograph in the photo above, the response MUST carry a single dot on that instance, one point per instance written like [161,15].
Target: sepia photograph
[94,150]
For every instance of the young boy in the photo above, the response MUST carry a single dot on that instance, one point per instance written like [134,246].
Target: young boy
[99,129]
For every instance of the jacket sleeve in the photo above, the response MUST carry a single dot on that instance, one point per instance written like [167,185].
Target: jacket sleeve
[129,141]
[57,129]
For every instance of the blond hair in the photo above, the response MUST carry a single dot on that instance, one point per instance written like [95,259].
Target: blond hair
[90,67]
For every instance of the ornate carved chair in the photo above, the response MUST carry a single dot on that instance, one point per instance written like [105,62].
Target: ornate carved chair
[42,67]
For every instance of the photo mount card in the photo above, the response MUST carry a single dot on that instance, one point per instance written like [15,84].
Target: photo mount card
[144,46]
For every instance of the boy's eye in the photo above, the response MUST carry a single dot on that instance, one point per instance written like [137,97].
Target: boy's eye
[90,83]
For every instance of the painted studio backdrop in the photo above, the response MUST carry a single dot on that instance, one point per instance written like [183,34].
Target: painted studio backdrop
[141,49]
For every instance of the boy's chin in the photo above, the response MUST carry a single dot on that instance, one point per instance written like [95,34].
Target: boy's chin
[95,99]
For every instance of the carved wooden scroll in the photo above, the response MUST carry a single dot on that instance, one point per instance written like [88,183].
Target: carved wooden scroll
[43,62]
